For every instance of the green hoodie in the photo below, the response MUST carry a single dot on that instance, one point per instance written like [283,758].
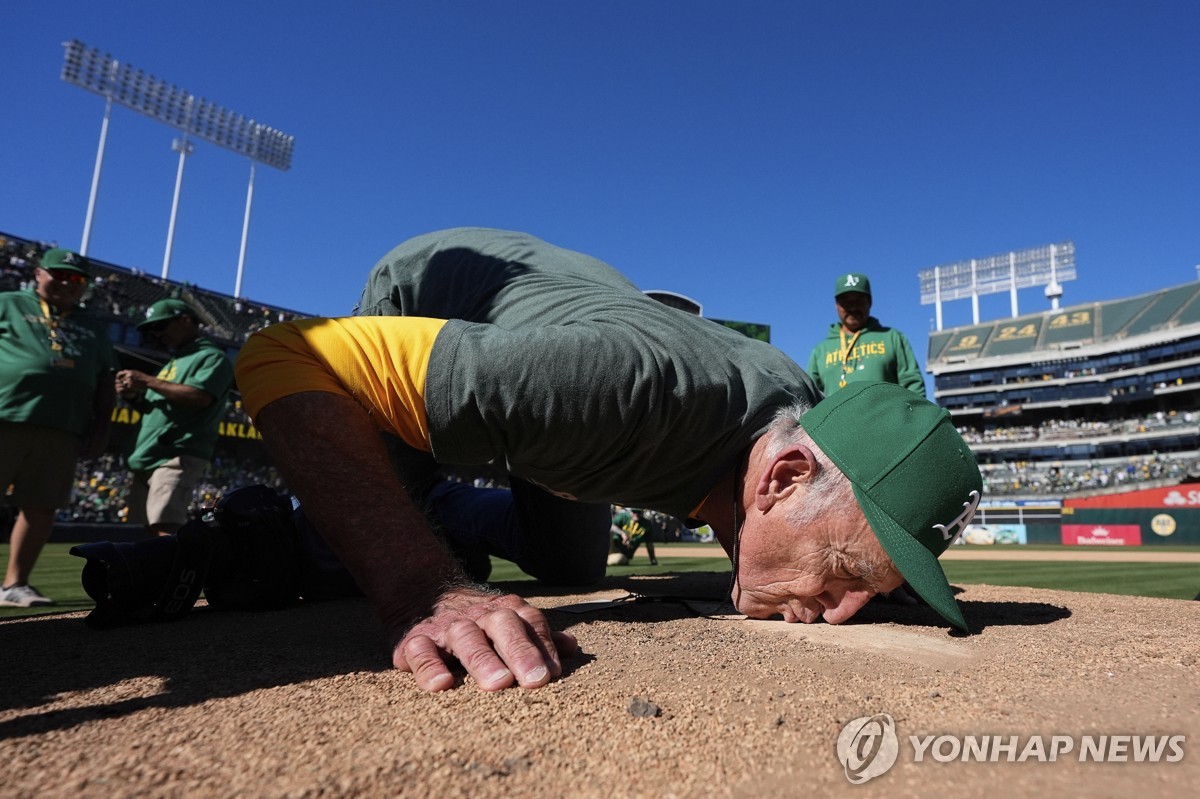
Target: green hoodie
[876,353]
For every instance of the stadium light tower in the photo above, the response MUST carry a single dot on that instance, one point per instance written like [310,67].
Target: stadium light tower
[1039,266]
[191,115]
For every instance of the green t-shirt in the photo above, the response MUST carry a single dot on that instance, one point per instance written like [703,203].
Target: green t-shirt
[879,354]
[170,429]
[565,374]
[50,367]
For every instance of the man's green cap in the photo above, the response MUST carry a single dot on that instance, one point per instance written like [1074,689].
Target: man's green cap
[853,281]
[58,258]
[915,478]
[165,310]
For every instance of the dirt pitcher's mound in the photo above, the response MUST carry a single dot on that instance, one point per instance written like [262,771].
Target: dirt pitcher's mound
[665,703]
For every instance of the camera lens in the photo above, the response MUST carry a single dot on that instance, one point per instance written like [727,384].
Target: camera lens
[156,579]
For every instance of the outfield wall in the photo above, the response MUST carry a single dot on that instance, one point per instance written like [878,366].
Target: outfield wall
[1152,517]
[1016,522]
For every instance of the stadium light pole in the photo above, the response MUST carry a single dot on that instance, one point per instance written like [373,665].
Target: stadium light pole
[974,294]
[91,208]
[237,286]
[180,109]
[1012,287]
[184,148]
[1053,290]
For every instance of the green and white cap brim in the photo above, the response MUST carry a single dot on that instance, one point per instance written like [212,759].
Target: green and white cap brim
[913,475]
[920,567]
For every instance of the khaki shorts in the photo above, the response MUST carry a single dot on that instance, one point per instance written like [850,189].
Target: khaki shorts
[38,464]
[162,495]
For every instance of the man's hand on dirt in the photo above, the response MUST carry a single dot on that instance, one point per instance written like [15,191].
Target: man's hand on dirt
[499,639]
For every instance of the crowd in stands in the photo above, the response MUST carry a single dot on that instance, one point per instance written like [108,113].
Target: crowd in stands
[1018,477]
[1065,477]
[125,294]
[17,259]
[1054,430]
[102,488]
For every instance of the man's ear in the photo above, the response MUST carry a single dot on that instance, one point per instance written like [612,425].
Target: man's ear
[791,467]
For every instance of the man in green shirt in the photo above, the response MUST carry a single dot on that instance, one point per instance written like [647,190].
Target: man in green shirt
[858,348]
[56,401]
[550,364]
[182,408]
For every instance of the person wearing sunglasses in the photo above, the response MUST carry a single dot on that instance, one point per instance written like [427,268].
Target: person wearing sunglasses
[56,400]
[182,407]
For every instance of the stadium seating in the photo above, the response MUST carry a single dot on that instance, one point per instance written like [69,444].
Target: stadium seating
[1087,398]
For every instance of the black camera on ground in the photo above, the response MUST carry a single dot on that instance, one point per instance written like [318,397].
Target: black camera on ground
[244,554]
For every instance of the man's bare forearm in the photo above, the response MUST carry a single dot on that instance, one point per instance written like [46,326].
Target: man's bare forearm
[332,458]
[132,385]
[180,394]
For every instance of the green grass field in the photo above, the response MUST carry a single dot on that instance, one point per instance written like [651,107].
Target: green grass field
[57,575]
[1167,580]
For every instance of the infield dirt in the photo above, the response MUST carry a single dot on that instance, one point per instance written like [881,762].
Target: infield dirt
[664,702]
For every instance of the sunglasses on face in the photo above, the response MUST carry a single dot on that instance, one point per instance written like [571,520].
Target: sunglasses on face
[65,276]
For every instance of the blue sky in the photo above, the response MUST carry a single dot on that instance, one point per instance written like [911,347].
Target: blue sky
[740,153]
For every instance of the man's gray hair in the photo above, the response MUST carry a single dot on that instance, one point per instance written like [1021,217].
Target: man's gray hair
[831,491]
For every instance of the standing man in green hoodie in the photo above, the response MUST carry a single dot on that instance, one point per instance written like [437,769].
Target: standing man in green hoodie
[858,348]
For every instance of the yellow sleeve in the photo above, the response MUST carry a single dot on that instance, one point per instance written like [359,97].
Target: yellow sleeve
[378,361]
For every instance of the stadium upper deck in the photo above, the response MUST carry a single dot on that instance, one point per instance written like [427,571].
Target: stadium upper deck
[1166,314]
[1104,379]
[120,296]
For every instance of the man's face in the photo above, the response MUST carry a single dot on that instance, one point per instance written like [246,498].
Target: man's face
[62,288]
[853,308]
[828,569]
[171,333]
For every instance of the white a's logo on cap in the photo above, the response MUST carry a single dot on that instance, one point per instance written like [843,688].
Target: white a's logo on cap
[851,281]
[951,531]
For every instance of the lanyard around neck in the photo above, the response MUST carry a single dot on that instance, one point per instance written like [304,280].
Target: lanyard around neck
[52,326]
[846,350]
